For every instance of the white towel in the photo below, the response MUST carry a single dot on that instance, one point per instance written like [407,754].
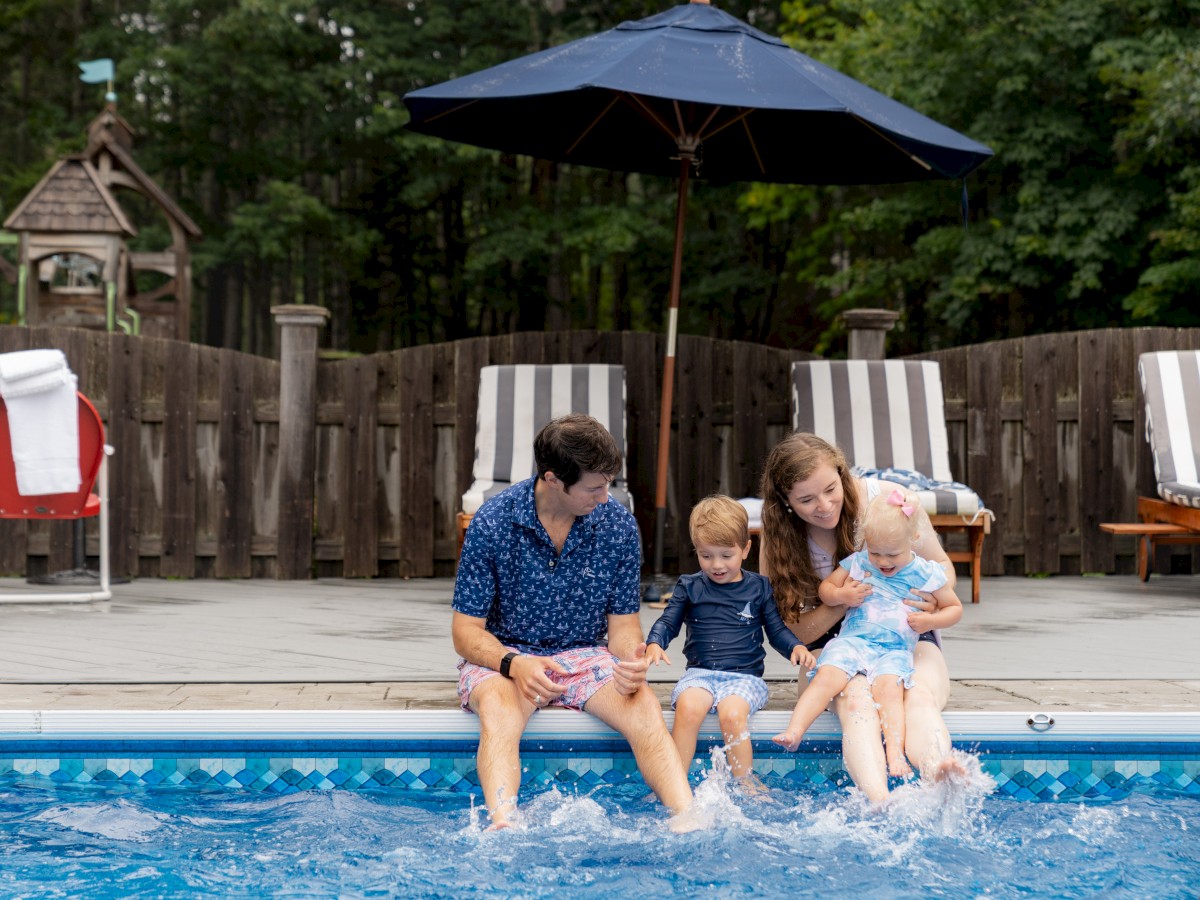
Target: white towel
[29,363]
[43,420]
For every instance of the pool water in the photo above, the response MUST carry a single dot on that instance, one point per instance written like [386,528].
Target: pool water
[100,841]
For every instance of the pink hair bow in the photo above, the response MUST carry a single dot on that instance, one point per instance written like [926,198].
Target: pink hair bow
[896,498]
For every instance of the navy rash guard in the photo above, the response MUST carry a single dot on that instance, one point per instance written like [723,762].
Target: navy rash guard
[725,623]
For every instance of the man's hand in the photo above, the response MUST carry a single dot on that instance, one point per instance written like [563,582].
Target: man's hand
[630,674]
[529,675]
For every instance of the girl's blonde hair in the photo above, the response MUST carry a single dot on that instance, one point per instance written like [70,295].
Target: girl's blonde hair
[895,515]
[719,521]
[785,535]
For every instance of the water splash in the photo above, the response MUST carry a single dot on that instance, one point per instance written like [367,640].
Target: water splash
[119,821]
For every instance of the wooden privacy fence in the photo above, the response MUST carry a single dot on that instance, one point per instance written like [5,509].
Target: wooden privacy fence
[1050,431]
[205,481]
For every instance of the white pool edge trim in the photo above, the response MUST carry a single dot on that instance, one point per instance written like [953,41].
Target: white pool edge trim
[1009,725]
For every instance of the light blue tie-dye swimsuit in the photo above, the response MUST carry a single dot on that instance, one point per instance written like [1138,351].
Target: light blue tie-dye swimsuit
[875,638]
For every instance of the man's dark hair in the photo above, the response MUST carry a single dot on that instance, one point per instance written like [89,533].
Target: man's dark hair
[573,444]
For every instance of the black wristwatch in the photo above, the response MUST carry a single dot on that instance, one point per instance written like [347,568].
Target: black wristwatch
[506,662]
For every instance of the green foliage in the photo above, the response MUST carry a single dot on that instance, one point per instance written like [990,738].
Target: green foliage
[278,126]
[1082,219]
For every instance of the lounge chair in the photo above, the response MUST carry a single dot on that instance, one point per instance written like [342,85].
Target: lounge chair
[888,418]
[516,401]
[1170,382]
[77,504]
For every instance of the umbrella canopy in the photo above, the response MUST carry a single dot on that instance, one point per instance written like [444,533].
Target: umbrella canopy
[752,108]
[692,90]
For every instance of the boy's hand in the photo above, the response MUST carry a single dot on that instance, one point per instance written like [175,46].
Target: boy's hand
[801,656]
[656,655]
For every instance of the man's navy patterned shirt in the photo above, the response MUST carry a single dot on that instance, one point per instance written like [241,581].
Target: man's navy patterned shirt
[536,599]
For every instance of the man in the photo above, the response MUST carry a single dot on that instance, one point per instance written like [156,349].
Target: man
[548,568]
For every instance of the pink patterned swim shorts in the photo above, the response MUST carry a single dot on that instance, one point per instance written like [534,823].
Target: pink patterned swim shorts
[588,670]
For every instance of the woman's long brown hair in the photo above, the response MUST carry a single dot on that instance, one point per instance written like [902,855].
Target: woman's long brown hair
[784,539]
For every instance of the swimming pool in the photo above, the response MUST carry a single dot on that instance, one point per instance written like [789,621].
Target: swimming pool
[373,804]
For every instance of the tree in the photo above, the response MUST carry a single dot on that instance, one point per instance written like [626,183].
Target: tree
[1063,218]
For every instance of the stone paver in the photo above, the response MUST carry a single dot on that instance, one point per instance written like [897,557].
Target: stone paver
[1085,643]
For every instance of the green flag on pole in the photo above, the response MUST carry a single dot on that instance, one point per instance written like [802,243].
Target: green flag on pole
[96,71]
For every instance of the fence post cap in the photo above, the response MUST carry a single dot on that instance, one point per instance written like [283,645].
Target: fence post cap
[300,314]
[882,319]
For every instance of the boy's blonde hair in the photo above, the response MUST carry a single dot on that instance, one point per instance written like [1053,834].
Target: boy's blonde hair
[719,521]
[893,516]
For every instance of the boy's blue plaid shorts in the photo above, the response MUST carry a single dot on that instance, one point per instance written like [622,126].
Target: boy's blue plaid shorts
[750,688]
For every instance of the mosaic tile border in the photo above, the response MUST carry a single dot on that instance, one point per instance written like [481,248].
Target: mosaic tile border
[1047,773]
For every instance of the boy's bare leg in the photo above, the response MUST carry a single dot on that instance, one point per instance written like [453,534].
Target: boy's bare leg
[503,714]
[690,709]
[639,719]
[734,715]
[826,684]
[889,694]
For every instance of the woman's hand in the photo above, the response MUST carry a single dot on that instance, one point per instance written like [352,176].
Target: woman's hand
[852,593]
[923,606]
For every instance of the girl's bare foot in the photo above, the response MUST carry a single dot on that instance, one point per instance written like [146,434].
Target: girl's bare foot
[787,740]
[899,768]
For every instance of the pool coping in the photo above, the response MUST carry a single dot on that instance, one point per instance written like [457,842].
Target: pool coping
[1033,724]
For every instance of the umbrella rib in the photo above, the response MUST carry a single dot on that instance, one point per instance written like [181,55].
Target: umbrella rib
[452,109]
[887,137]
[596,121]
[738,118]
[651,114]
[753,146]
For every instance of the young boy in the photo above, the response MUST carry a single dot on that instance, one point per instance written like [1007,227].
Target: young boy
[880,630]
[726,611]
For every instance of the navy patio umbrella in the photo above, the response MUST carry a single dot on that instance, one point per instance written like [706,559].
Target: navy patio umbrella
[692,90]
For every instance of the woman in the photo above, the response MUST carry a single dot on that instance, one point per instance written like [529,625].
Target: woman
[811,506]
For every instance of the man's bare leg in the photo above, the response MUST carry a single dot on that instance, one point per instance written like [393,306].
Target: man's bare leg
[503,714]
[638,718]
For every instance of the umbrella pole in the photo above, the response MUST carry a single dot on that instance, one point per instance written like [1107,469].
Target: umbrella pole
[657,591]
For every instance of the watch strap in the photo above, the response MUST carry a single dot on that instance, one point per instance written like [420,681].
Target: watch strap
[506,662]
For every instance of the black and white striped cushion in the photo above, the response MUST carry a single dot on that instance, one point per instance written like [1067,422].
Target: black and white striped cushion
[516,401]
[1171,389]
[885,414]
